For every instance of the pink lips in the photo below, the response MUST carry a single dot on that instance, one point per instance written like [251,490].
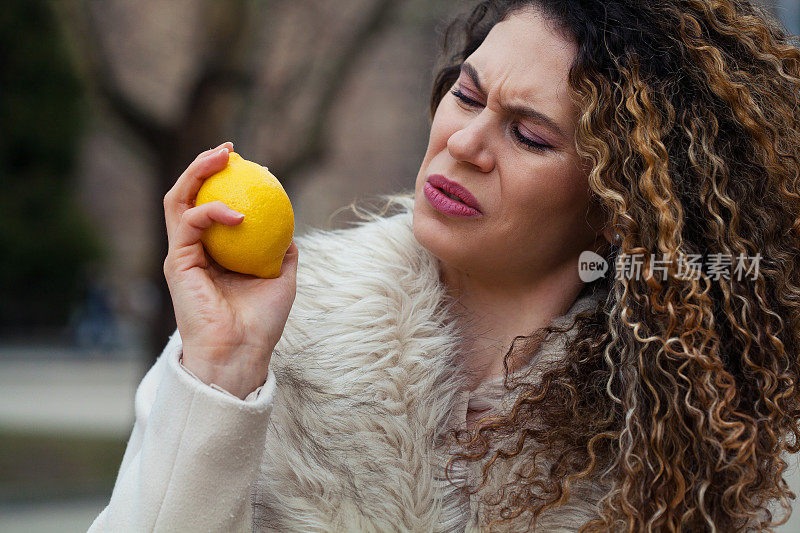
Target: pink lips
[467,206]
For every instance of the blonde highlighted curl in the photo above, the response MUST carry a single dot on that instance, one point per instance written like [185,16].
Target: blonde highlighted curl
[678,395]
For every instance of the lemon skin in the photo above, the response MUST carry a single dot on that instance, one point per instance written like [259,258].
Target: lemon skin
[257,245]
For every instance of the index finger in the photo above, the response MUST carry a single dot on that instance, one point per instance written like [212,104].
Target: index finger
[182,195]
[226,144]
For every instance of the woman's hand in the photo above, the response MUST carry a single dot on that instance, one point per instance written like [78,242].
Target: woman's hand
[229,322]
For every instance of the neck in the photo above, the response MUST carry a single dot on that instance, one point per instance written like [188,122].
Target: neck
[494,313]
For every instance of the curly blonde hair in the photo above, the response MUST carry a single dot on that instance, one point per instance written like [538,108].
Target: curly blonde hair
[680,394]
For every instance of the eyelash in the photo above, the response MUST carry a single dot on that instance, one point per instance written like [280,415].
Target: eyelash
[521,138]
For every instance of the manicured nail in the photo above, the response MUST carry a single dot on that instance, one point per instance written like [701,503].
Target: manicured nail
[236,213]
[223,150]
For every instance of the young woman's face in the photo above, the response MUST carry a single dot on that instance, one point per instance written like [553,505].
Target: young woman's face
[524,173]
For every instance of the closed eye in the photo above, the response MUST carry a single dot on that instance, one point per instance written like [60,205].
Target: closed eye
[520,137]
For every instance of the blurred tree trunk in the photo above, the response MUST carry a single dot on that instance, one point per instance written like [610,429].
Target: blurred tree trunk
[225,100]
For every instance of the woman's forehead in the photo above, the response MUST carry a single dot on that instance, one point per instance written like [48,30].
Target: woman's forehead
[524,48]
[524,63]
[527,56]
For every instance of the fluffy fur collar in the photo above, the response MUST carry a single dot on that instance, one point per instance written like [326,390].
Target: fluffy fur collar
[367,379]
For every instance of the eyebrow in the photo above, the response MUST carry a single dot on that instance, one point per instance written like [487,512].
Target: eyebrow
[519,110]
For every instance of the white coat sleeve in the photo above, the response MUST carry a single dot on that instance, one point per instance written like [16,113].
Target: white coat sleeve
[192,457]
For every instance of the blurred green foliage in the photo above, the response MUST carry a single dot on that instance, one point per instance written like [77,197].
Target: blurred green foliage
[45,239]
[40,466]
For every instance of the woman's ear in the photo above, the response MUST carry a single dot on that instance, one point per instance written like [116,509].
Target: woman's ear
[608,233]
[600,219]
[614,238]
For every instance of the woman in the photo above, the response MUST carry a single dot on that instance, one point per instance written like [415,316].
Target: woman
[377,385]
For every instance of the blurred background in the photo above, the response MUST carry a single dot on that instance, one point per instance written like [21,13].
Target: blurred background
[103,105]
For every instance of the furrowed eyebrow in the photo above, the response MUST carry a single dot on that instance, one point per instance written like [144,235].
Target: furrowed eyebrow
[522,111]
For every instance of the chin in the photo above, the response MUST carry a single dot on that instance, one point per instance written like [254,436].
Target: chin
[429,233]
[423,228]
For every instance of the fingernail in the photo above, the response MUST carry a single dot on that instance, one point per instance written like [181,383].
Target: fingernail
[234,212]
[223,150]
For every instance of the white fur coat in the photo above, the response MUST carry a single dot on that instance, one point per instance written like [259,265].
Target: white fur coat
[366,378]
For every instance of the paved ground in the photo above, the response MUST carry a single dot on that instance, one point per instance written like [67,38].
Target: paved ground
[68,396]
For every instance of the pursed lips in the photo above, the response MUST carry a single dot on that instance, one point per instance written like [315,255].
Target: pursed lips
[453,190]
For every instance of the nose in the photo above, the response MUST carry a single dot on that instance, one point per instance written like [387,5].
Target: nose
[469,145]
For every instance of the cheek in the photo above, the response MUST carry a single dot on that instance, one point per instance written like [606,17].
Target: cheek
[548,197]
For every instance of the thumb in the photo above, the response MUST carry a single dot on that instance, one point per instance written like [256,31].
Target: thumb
[290,259]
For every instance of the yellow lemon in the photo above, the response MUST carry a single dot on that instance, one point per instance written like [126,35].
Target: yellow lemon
[258,244]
